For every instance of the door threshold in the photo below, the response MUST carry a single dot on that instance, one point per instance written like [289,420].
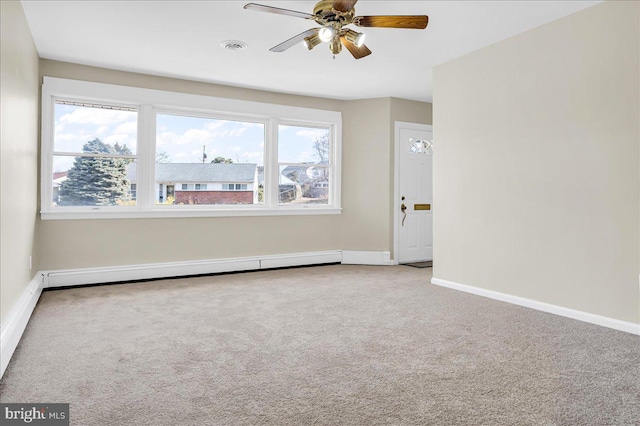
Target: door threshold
[425,264]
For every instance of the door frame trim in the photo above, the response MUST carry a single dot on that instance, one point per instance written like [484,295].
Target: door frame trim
[396,178]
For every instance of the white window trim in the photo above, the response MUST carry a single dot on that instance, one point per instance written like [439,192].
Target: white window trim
[149,102]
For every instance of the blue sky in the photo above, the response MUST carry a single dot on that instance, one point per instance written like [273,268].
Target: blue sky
[181,138]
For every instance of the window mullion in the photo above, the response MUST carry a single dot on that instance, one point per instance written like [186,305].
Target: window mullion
[335,173]
[46,171]
[146,158]
[271,167]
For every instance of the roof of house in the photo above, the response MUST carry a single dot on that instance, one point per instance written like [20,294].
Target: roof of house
[197,172]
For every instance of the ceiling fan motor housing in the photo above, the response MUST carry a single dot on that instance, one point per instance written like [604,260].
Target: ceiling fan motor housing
[326,14]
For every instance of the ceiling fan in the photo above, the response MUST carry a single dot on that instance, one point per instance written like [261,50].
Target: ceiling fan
[333,16]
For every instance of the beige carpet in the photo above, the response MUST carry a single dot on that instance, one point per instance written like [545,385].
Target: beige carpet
[330,345]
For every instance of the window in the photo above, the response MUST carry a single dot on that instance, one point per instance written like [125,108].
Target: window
[420,147]
[94,145]
[304,161]
[234,187]
[122,152]
[206,148]
[193,187]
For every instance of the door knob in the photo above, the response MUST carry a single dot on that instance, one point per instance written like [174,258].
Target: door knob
[402,209]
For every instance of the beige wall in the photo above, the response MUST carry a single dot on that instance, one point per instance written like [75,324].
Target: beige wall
[365,183]
[410,112]
[18,153]
[363,225]
[537,169]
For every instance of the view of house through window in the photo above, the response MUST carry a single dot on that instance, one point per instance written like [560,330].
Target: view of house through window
[133,152]
[304,162]
[93,146]
[200,160]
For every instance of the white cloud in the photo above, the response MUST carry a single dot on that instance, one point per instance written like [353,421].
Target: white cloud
[231,133]
[129,127]
[194,136]
[312,133]
[252,155]
[213,125]
[198,136]
[305,157]
[165,138]
[99,117]
[71,142]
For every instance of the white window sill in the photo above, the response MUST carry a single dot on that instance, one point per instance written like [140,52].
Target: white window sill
[185,213]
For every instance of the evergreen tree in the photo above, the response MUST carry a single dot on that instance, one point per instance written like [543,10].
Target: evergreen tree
[94,181]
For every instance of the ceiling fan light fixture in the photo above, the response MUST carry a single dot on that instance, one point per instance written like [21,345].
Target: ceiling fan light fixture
[311,41]
[355,37]
[326,34]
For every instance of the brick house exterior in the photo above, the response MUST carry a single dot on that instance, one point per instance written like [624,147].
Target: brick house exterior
[214,197]
[206,183]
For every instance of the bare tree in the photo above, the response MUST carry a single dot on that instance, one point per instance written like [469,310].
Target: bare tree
[162,157]
[321,146]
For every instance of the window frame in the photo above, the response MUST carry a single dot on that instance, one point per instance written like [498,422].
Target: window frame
[149,103]
[330,167]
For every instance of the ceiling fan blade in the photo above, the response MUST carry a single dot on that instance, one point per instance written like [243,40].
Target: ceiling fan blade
[418,22]
[294,40]
[357,52]
[277,10]
[344,5]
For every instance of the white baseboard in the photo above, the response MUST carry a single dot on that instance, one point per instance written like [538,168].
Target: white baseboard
[300,259]
[71,277]
[366,258]
[628,327]
[16,321]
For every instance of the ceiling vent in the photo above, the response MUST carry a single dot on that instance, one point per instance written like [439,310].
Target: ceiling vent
[233,45]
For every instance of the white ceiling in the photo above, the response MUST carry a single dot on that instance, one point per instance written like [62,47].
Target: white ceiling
[182,39]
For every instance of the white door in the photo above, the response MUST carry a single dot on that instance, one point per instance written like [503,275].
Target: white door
[414,196]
